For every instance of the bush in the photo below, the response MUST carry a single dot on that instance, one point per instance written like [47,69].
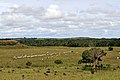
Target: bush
[106,66]
[92,71]
[23,76]
[64,73]
[1,66]
[0,70]
[48,71]
[110,49]
[46,74]
[78,68]
[19,67]
[58,62]
[86,68]
[28,63]
[80,61]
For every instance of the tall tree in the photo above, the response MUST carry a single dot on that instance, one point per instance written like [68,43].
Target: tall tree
[93,56]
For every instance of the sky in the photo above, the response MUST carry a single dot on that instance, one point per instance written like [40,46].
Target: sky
[59,18]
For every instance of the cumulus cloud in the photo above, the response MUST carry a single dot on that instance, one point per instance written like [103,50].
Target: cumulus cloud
[20,21]
[53,11]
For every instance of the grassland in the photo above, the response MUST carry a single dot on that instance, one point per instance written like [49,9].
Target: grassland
[12,68]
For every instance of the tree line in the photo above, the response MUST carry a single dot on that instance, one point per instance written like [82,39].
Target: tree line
[70,42]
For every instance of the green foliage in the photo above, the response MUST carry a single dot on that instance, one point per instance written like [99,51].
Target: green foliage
[85,54]
[70,42]
[93,56]
[105,66]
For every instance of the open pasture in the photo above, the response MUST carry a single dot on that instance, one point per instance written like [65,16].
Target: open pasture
[13,64]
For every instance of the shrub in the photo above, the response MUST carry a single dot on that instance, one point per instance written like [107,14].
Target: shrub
[58,62]
[92,71]
[55,71]
[65,67]
[46,74]
[8,71]
[48,71]
[8,66]
[0,70]
[118,67]
[1,66]
[28,63]
[19,67]
[80,61]
[12,71]
[64,73]
[105,67]
[78,68]
[23,76]
[110,49]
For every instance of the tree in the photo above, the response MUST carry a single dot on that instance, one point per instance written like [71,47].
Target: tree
[93,56]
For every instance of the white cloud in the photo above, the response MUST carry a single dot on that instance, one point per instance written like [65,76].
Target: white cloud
[71,17]
[73,26]
[20,21]
[53,11]
[16,6]
[96,10]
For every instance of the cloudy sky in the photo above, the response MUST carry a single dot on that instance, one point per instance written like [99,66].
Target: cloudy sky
[59,18]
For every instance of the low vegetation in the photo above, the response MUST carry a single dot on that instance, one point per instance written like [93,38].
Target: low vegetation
[58,62]
[110,48]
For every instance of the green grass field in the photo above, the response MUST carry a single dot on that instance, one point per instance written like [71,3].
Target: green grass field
[42,59]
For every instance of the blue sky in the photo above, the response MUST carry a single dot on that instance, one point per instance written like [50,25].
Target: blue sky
[60,18]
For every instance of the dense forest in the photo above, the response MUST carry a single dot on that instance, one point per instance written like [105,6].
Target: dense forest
[70,42]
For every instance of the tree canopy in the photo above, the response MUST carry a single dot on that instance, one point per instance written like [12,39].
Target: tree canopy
[93,56]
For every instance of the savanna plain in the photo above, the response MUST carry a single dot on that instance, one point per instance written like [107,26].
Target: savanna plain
[38,63]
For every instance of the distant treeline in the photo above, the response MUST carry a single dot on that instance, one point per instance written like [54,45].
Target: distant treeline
[70,42]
